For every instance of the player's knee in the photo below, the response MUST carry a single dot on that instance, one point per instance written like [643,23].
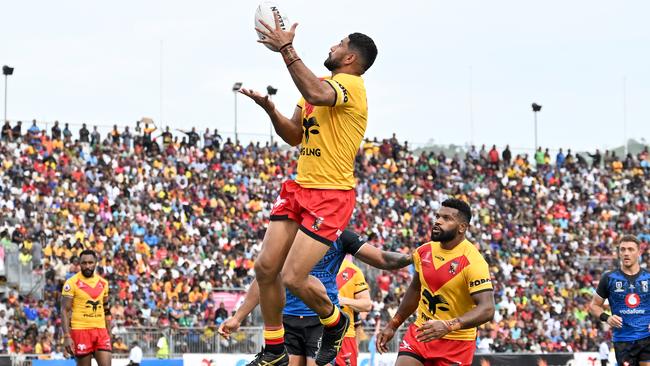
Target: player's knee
[291,281]
[265,271]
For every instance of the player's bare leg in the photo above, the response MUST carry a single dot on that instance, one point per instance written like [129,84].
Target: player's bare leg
[644,363]
[277,242]
[304,254]
[407,361]
[275,246]
[103,358]
[84,360]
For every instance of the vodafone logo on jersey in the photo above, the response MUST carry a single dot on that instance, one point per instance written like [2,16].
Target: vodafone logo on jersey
[632,300]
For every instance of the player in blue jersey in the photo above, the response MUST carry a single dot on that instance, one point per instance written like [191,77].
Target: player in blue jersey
[628,291]
[302,325]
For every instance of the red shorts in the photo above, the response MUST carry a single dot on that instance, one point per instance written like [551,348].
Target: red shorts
[349,351]
[322,214]
[87,341]
[439,352]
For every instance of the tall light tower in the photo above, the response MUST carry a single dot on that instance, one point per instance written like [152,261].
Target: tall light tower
[235,90]
[536,108]
[6,71]
[271,91]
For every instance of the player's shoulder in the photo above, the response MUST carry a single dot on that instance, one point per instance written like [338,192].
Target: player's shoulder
[612,273]
[644,273]
[349,81]
[347,77]
[423,250]
[425,247]
[72,280]
[470,250]
[102,280]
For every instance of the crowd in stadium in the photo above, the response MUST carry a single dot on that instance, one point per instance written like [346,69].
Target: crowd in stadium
[173,220]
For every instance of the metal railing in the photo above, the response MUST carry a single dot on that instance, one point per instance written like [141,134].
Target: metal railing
[247,340]
[23,277]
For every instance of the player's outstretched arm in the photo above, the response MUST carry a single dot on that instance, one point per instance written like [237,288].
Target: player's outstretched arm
[407,306]
[290,130]
[250,302]
[360,303]
[314,90]
[383,259]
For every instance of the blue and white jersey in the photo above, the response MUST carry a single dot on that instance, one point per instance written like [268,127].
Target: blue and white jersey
[326,270]
[629,298]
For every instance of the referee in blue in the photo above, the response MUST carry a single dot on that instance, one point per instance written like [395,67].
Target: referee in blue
[628,291]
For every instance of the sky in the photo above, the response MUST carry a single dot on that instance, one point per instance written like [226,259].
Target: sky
[448,72]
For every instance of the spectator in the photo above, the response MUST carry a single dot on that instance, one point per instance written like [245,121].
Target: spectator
[94,137]
[56,131]
[67,134]
[559,159]
[115,135]
[83,134]
[119,346]
[596,158]
[6,132]
[135,355]
[57,353]
[126,138]
[16,131]
[163,348]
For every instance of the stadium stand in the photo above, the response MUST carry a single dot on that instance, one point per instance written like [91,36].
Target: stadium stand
[177,222]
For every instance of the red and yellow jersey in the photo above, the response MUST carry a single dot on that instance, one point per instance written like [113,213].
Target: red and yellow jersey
[448,278]
[332,135]
[350,281]
[88,298]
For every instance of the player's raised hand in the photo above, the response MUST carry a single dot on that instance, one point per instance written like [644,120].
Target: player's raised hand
[383,338]
[433,329]
[615,321]
[275,36]
[262,100]
[228,326]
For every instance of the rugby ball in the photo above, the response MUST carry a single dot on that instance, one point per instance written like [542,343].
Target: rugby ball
[266,11]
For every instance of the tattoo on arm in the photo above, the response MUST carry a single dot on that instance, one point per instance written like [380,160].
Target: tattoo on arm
[396,260]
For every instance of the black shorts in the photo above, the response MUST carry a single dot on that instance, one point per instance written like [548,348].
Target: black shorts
[632,352]
[302,334]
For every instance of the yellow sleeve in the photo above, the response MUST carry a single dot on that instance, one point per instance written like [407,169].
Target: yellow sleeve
[301,103]
[359,281]
[68,289]
[478,275]
[416,260]
[342,84]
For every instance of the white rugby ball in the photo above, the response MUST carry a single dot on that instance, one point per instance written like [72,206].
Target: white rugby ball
[266,11]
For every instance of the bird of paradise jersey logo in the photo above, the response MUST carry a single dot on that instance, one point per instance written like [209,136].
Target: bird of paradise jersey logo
[93,304]
[309,125]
